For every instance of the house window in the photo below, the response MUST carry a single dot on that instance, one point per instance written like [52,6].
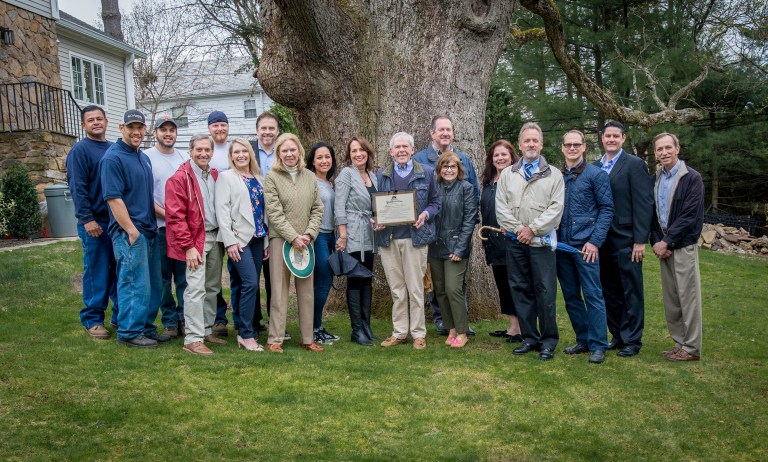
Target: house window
[179,114]
[88,80]
[249,108]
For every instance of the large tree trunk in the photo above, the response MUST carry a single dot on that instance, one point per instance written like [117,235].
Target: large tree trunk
[374,68]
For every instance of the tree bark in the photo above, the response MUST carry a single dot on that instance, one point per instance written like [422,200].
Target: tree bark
[110,14]
[373,68]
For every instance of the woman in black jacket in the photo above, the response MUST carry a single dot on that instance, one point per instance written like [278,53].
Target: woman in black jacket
[500,155]
[449,253]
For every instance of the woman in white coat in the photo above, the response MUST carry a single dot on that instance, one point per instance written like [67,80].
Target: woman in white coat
[243,230]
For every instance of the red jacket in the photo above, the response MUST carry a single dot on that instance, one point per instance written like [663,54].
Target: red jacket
[184,212]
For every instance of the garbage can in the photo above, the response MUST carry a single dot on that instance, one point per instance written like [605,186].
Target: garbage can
[61,210]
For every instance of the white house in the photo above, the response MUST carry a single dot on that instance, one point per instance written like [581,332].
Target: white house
[215,87]
[97,69]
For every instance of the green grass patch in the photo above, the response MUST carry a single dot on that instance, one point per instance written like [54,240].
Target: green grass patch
[64,396]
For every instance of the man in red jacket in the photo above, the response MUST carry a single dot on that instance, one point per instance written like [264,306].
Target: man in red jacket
[191,229]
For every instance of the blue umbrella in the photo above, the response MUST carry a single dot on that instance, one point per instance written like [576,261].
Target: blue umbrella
[550,240]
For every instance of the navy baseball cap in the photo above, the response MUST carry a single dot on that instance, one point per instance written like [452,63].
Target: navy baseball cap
[133,116]
[217,116]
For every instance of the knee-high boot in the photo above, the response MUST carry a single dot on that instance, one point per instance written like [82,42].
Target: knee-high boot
[355,317]
[366,295]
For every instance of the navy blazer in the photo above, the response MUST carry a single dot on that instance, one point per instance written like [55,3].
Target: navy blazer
[633,202]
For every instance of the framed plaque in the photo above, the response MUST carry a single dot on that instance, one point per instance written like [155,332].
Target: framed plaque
[394,208]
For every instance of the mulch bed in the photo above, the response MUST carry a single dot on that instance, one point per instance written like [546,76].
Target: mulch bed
[5,243]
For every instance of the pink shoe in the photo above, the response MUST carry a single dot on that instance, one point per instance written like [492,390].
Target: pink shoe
[249,344]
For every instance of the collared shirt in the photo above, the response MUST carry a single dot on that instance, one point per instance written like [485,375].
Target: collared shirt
[266,159]
[607,167]
[535,164]
[404,170]
[568,171]
[665,189]
[205,180]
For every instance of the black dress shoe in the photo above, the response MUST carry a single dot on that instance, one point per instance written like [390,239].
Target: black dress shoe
[547,354]
[576,349]
[615,344]
[515,338]
[471,332]
[597,357]
[524,348]
[499,333]
[159,338]
[628,351]
[440,328]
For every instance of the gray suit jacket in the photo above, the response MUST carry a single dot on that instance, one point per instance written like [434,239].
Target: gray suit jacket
[353,208]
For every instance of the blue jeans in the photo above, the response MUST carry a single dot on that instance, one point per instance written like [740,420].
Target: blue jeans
[323,275]
[234,295]
[249,271]
[99,277]
[139,284]
[578,277]
[172,311]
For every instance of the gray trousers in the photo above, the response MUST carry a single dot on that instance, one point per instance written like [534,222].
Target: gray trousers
[203,285]
[681,292]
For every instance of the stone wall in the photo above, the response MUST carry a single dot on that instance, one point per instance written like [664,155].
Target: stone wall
[34,54]
[43,153]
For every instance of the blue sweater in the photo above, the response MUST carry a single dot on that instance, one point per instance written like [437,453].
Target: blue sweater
[84,183]
[126,173]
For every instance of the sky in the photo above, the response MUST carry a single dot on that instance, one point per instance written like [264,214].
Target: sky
[89,10]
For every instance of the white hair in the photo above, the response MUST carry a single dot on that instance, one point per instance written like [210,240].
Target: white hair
[399,135]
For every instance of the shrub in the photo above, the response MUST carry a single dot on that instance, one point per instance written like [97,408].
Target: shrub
[5,208]
[22,218]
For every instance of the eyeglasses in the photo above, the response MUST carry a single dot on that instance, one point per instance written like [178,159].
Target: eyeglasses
[572,145]
[450,167]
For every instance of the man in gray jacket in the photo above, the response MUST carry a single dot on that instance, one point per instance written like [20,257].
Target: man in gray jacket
[529,203]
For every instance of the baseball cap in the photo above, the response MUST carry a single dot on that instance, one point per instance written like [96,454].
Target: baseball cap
[133,116]
[160,120]
[217,116]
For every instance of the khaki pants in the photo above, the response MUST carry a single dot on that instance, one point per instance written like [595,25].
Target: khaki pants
[681,291]
[404,265]
[203,285]
[278,310]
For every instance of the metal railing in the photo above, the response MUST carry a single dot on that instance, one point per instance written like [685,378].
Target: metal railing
[37,106]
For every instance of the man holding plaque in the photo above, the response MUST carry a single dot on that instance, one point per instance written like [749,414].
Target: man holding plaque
[529,202]
[404,210]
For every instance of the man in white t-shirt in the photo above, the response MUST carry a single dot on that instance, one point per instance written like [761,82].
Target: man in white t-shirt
[218,127]
[166,159]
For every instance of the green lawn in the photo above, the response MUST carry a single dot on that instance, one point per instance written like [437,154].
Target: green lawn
[64,396]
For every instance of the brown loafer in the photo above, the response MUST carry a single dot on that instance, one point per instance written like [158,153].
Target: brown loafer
[671,352]
[275,347]
[197,348]
[210,338]
[683,355]
[420,343]
[312,347]
[392,341]
[98,332]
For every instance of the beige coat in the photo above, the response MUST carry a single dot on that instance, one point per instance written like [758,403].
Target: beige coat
[537,204]
[233,209]
[294,207]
